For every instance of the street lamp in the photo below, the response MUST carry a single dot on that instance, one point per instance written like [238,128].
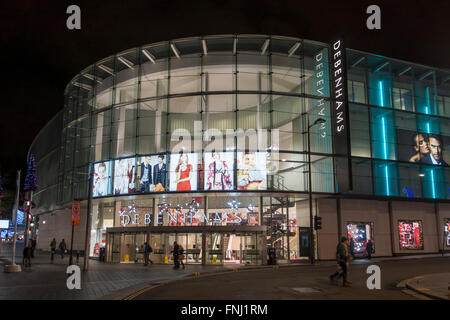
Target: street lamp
[311,232]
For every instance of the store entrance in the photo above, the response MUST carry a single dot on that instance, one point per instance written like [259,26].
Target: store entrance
[205,246]
[242,248]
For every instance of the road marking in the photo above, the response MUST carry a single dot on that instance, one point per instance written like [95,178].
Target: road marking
[134,295]
[415,294]
[307,290]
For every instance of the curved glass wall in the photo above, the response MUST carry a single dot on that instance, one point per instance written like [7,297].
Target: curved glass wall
[245,99]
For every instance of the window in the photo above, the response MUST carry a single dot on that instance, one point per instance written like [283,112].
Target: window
[356,91]
[402,99]
[444,105]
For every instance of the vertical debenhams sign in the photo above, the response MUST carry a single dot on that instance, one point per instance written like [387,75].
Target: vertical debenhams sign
[340,116]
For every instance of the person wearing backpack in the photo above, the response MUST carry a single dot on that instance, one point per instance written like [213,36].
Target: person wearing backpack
[342,259]
[147,250]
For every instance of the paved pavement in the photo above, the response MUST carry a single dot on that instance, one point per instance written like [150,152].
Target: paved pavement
[134,281]
[103,280]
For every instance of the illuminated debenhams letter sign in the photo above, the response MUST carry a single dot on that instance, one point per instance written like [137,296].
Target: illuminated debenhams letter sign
[340,117]
[339,86]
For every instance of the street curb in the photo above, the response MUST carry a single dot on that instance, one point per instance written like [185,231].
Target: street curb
[422,292]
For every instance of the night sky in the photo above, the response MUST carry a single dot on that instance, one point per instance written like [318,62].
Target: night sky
[40,55]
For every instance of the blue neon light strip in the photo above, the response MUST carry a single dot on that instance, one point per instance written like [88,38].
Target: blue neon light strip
[387,179]
[432,184]
[384,138]
[380,84]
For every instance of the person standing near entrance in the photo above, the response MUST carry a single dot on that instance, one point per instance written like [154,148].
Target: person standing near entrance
[147,250]
[342,258]
[181,254]
[63,248]
[52,249]
[176,252]
[369,249]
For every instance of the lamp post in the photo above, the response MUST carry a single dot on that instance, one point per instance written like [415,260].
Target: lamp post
[13,267]
[311,232]
[88,221]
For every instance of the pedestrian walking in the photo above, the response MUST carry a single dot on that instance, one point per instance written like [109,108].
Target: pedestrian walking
[33,247]
[369,249]
[342,259]
[352,248]
[176,252]
[181,254]
[63,248]
[147,250]
[27,255]
[52,249]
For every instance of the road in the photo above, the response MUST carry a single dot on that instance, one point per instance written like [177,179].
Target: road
[298,282]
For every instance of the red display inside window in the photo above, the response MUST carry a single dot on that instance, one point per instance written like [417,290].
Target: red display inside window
[410,234]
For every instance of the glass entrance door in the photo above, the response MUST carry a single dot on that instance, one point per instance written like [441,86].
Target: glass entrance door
[232,244]
[194,250]
[128,248]
[158,245]
[214,248]
[250,249]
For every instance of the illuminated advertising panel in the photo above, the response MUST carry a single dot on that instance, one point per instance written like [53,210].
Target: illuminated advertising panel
[124,176]
[152,173]
[423,148]
[102,179]
[183,171]
[219,172]
[251,171]
[410,234]
[4,224]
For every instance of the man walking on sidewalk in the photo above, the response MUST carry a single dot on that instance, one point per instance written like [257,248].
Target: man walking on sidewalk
[27,255]
[175,252]
[342,258]
[63,248]
[52,249]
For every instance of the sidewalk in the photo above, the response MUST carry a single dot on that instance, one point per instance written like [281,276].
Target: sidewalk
[114,281]
[436,285]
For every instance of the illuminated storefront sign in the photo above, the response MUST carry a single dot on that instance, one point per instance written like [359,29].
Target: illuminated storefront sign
[188,215]
[340,117]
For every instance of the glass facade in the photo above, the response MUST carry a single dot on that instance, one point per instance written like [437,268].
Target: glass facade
[398,122]
[213,132]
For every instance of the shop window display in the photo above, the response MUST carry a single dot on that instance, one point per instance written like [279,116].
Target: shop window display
[447,233]
[359,233]
[410,234]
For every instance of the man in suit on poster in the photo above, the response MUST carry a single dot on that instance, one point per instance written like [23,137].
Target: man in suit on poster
[159,174]
[146,175]
[435,155]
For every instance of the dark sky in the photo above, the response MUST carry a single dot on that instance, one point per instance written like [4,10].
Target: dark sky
[40,55]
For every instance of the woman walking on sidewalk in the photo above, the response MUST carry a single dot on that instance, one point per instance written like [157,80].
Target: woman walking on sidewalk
[52,249]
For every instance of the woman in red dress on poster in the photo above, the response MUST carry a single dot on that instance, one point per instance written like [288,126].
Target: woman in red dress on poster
[183,172]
